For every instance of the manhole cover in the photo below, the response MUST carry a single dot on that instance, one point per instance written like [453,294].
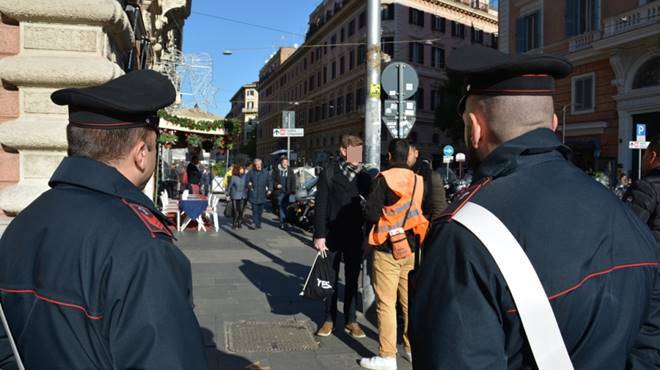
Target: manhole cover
[284,336]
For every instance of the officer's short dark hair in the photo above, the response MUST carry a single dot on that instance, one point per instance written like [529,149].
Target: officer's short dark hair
[103,145]
[399,149]
[654,145]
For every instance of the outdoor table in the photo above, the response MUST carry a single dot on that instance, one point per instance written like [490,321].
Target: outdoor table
[193,207]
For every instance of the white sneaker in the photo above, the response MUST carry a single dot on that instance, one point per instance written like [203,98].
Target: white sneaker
[378,363]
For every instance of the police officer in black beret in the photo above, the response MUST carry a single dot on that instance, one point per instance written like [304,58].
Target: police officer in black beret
[89,275]
[596,263]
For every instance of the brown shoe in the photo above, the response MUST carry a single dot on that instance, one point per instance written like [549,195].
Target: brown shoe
[326,329]
[354,330]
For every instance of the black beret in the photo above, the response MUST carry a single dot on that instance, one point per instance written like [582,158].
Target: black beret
[129,101]
[486,71]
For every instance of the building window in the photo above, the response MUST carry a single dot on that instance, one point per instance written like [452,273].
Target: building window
[387,14]
[340,105]
[582,16]
[583,93]
[317,113]
[416,52]
[351,59]
[476,36]
[250,105]
[333,41]
[362,55]
[416,17]
[351,28]
[349,102]
[419,97]
[457,29]
[342,65]
[437,57]
[362,20]
[528,32]
[325,48]
[325,74]
[341,35]
[493,41]
[436,98]
[331,108]
[359,97]
[387,45]
[438,23]
[305,64]
[334,70]
[648,74]
[310,114]
[324,110]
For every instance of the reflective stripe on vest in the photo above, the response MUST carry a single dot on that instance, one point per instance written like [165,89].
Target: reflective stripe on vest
[401,182]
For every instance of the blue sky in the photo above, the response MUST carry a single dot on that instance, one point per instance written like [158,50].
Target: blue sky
[203,34]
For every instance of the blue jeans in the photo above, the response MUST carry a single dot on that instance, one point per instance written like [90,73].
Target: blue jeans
[283,202]
[257,211]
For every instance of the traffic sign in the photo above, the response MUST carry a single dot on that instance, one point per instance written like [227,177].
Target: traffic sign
[400,79]
[448,150]
[288,119]
[638,144]
[641,131]
[447,159]
[392,125]
[288,132]
[460,157]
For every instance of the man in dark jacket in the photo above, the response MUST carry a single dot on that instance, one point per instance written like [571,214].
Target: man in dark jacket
[338,226]
[595,260]
[644,196]
[284,185]
[194,174]
[89,275]
[259,186]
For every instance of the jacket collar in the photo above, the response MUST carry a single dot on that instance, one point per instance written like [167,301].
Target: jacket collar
[97,176]
[505,158]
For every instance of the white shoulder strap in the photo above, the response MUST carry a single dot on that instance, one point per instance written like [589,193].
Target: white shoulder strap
[5,325]
[531,300]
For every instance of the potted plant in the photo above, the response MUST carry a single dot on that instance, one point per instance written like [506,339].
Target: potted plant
[194,140]
[168,139]
[219,143]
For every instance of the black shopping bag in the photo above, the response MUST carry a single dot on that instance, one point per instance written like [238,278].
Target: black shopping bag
[319,283]
[229,209]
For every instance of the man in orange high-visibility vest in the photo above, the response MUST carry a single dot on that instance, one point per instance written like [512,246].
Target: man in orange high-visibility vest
[395,208]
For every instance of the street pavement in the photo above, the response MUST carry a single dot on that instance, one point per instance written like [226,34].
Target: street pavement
[244,277]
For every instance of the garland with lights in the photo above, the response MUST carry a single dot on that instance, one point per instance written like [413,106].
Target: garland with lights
[232,129]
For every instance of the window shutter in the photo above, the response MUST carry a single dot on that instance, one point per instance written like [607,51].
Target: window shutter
[421,16]
[572,10]
[421,53]
[442,25]
[595,16]
[520,33]
[410,52]
[537,29]
[410,15]
[433,51]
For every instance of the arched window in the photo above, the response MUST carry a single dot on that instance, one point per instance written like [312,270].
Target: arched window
[648,74]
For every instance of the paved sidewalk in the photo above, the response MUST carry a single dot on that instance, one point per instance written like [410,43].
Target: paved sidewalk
[244,277]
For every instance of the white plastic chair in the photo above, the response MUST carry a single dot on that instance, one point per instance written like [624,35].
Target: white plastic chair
[171,206]
[212,211]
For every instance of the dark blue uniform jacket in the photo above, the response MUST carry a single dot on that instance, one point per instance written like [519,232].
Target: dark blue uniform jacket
[597,262]
[90,279]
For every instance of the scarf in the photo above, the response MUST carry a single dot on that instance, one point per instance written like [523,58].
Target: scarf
[349,170]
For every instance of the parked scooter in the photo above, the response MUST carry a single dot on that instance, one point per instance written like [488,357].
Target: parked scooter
[301,213]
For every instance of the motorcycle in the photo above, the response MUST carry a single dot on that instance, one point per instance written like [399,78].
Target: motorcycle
[301,213]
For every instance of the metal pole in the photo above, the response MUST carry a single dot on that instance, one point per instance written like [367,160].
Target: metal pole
[372,123]
[639,164]
[372,117]
[288,148]
[400,92]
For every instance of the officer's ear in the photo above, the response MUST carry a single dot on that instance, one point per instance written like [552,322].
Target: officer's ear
[555,122]
[475,132]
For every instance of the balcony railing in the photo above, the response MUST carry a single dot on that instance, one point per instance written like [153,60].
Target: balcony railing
[637,18]
[583,41]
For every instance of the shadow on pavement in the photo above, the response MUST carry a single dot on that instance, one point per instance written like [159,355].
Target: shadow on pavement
[217,359]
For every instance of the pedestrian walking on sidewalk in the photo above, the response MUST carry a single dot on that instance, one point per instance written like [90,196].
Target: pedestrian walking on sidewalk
[339,228]
[284,183]
[535,265]
[395,208]
[89,275]
[644,195]
[260,186]
[238,194]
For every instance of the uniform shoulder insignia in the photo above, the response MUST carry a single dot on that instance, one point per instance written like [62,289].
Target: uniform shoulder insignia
[150,221]
[462,198]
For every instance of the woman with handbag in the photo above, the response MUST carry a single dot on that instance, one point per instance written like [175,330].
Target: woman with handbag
[238,194]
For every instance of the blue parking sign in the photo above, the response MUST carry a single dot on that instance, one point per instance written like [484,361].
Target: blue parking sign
[641,129]
[448,150]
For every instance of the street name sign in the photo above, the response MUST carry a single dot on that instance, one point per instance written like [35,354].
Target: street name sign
[638,144]
[288,132]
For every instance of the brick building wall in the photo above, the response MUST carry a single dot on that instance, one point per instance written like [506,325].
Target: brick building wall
[9,45]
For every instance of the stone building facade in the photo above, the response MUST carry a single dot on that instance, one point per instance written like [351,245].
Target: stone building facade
[245,107]
[614,46]
[323,80]
[50,44]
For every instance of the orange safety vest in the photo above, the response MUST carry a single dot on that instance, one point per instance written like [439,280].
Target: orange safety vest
[401,182]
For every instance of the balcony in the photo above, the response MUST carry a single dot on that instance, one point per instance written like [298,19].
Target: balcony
[641,17]
[583,41]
